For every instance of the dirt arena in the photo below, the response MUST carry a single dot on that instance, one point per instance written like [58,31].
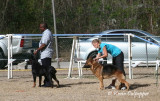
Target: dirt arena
[142,87]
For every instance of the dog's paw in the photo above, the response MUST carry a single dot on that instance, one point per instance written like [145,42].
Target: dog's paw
[128,89]
[118,87]
[58,86]
[101,88]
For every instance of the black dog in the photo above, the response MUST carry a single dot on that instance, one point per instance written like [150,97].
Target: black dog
[39,70]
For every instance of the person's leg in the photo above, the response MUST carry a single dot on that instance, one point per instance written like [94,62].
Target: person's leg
[118,61]
[114,80]
[46,62]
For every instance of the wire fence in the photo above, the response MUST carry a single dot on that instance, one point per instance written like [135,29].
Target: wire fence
[144,54]
[141,50]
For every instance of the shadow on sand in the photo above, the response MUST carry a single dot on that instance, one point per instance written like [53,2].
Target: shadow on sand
[135,86]
[79,83]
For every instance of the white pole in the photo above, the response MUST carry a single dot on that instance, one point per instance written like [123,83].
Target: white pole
[71,58]
[157,66]
[77,48]
[130,56]
[55,32]
[9,55]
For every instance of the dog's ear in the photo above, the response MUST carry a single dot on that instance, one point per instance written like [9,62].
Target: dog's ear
[90,58]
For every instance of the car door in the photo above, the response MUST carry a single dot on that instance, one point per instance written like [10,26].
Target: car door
[152,50]
[138,47]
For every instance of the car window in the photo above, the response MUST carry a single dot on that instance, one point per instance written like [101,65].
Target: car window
[114,38]
[134,39]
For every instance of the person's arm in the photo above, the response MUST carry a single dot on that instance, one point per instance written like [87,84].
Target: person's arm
[98,55]
[105,54]
[40,48]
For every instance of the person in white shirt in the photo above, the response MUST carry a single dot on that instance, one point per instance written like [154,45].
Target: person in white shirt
[45,49]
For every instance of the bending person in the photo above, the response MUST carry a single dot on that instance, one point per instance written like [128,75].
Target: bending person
[116,53]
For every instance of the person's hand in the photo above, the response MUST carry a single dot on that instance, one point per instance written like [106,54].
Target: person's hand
[96,59]
[35,52]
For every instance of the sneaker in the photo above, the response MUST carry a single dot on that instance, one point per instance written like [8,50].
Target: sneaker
[45,85]
[111,87]
[123,88]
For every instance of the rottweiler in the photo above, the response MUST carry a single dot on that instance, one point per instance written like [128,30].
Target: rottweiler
[105,71]
[39,70]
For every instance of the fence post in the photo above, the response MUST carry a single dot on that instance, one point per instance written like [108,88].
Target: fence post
[130,56]
[157,66]
[9,56]
[146,52]
[77,48]
[71,58]
[55,32]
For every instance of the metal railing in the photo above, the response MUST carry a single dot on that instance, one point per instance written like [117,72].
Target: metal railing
[67,45]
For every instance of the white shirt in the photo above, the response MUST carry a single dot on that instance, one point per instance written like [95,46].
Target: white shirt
[46,39]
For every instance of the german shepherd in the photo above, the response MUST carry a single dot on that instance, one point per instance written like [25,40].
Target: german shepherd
[105,72]
[39,70]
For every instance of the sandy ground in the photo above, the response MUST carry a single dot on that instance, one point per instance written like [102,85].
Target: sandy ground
[142,87]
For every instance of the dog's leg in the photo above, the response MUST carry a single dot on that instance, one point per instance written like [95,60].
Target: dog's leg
[54,77]
[40,80]
[101,83]
[34,80]
[118,86]
[50,80]
[126,83]
[121,80]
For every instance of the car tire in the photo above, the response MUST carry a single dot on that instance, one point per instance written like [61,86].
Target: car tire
[93,54]
[3,63]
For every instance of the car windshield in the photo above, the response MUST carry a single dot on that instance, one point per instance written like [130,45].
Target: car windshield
[122,38]
[148,36]
[157,38]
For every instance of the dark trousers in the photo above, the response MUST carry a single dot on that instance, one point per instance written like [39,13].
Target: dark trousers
[46,62]
[118,61]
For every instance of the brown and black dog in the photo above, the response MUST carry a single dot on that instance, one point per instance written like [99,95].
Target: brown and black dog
[105,72]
